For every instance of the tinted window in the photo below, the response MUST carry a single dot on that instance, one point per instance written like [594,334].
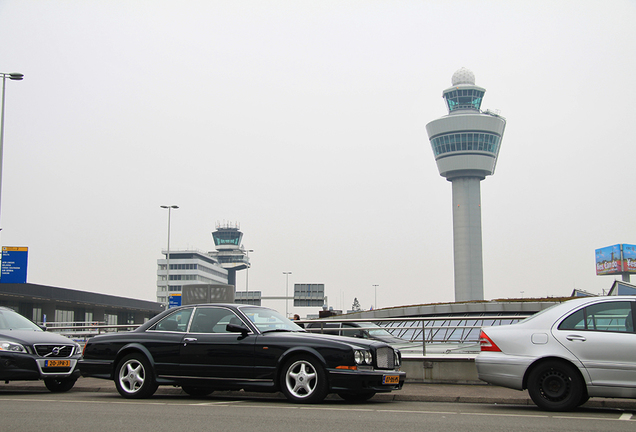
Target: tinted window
[607,316]
[177,322]
[213,320]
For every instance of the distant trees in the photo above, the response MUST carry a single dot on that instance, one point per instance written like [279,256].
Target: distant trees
[356,305]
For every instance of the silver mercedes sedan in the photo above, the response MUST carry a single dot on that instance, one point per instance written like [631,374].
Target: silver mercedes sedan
[565,354]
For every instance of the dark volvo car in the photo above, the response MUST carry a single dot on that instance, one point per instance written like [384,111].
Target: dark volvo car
[29,353]
[203,348]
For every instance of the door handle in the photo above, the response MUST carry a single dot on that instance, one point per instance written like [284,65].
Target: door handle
[575,338]
[186,340]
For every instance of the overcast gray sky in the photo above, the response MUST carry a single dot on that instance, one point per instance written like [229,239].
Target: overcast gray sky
[304,122]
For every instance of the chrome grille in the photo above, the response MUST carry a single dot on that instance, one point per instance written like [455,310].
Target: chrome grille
[385,358]
[54,351]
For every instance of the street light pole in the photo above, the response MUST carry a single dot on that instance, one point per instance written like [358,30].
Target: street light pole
[16,77]
[286,291]
[375,303]
[247,270]
[168,256]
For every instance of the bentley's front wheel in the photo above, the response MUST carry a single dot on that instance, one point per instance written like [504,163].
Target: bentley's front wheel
[303,380]
[134,378]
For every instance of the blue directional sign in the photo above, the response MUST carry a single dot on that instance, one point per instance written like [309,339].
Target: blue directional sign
[14,264]
[174,300]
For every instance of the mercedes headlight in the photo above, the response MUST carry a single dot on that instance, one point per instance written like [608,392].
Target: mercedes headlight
[11,346]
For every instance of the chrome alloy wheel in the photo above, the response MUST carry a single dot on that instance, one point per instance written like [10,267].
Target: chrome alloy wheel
[301,379]
[132,376]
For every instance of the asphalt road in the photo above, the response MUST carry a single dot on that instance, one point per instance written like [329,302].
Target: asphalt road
[86,411]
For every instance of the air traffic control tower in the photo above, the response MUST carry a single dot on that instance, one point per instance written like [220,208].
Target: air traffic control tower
[230,253]
[466,145]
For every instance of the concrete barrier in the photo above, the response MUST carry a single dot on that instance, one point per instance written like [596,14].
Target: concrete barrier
[441,369]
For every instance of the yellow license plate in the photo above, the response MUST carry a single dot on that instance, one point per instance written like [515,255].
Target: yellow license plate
[57,363]
[391,379]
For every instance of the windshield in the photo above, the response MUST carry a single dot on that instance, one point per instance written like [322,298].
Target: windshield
[269,320]
[10,320]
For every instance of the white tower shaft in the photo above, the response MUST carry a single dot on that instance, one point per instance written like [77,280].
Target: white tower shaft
[467,247]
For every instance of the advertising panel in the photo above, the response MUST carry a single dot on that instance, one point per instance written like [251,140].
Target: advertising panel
[616,259]
[629,258]
[14,264]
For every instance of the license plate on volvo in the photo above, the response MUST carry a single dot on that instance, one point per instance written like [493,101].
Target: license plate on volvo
[390,379]
[57,363]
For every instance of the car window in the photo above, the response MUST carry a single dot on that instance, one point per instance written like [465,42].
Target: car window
[606,316]
[352,330]
[176,322]
[325,327]
[213,320]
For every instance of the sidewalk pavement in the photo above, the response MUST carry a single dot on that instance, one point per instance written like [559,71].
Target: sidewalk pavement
[416,392]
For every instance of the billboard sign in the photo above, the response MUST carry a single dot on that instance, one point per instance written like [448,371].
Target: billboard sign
[14,264]
[616,259]
[629,258]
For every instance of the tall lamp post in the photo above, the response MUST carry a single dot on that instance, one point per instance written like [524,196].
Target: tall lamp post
[247,251]
[286,287]
[168,256]
[375,303]
[16,77]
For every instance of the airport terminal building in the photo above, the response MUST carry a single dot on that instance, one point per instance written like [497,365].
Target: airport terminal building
[45,304]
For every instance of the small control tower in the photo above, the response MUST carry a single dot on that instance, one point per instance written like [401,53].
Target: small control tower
[466,145]
[229,251]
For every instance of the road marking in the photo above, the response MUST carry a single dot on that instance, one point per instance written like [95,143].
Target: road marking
[626,416]
[216,403]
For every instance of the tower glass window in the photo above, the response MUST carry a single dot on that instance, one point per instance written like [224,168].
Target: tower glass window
[464,99]
[466,141]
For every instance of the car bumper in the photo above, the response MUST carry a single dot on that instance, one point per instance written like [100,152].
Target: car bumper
[502,369]
[361,381]
[25,367]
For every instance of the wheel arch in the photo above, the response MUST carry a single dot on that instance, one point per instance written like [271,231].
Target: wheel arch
[298,351]
[542,360]
[132,348]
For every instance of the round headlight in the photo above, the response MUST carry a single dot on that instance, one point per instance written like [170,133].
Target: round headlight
[397,358]
[358,356]
[368,358]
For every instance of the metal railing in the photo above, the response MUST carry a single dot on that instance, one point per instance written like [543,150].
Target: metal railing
[451,333]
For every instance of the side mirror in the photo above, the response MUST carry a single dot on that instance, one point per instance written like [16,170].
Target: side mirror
[234,328]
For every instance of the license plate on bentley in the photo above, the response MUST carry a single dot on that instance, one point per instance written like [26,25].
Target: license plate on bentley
[390,379]
[57,363]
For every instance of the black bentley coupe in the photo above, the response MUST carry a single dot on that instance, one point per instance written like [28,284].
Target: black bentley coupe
[210,347]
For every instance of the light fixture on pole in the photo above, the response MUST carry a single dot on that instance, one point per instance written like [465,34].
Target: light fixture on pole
[286,290]
[375,303]
[247,251]
[168,256]
[16,77]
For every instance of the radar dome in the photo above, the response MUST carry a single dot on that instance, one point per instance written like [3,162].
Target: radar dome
[463,76]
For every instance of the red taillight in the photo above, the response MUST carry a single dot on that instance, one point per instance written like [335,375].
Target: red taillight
[486,343]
